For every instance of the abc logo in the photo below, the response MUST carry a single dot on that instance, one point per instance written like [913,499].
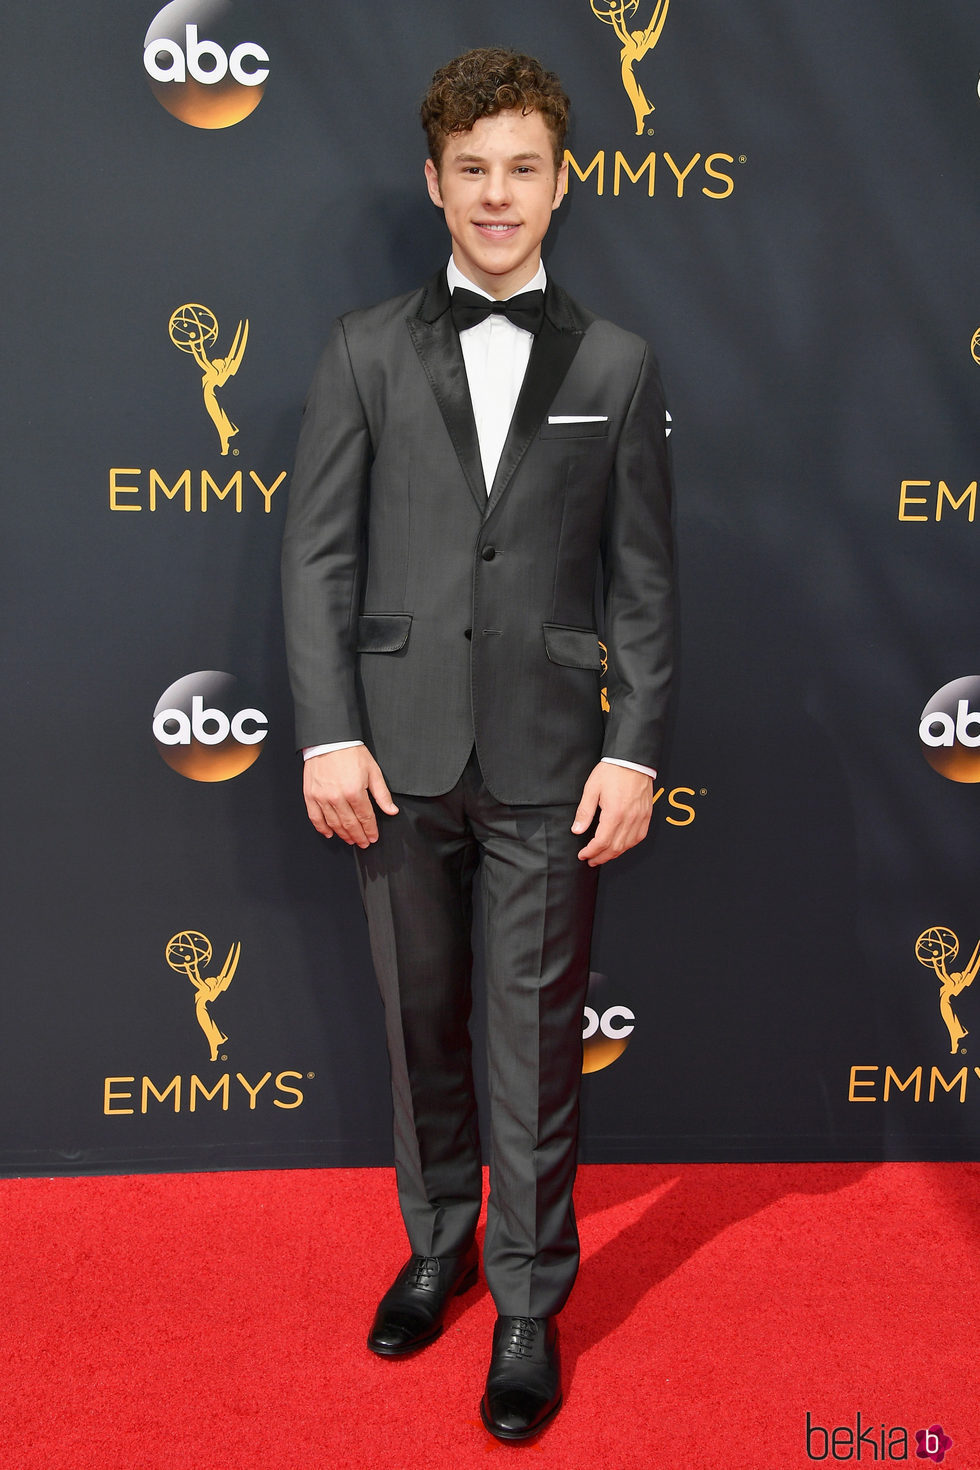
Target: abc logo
[198,68]
[950,730]
[607,1028]
[204,730]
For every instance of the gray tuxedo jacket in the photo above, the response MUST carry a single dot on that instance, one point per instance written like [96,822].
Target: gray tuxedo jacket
[423,614]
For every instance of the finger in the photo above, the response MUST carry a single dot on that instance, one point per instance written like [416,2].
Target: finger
[352,822]
[317,817]
[596,852]
[347,819]
[613,838]
[602,847]
[363,823]
[381,794]
[585,814]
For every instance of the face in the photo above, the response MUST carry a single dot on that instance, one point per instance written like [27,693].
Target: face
[498,187]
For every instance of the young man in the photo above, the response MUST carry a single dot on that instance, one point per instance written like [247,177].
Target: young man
[464,476]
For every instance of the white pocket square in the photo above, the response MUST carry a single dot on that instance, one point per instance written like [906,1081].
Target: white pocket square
[578,418]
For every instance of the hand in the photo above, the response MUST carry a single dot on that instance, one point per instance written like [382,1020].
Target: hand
[338,787]
[624,799]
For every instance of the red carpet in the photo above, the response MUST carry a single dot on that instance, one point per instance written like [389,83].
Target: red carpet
[217,1322]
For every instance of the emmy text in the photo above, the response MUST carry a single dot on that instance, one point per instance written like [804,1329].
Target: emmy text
[121,1096]
[129,491]
[866,1085]
[674,175]
[917,493]
[687,812]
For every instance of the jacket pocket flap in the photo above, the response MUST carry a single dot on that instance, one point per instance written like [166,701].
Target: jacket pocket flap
[383,632]
[575,648]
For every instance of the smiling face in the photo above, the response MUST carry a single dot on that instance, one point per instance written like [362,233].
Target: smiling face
[498,186]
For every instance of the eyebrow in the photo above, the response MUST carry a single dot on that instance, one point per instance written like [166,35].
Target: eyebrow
[529,156]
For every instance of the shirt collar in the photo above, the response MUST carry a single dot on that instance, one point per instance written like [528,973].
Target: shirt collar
[455,277]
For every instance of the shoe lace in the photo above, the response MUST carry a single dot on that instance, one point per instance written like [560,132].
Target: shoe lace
[522,1335]
[422,1268]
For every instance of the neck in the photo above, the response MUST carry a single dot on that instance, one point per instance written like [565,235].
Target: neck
[501,288]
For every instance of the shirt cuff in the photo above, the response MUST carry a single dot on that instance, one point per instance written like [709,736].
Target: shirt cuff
[610,760]
[311,750]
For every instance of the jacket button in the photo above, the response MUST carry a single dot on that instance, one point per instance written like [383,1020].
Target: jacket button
[489,553]
[467,632]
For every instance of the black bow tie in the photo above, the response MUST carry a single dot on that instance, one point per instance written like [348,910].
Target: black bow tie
[469,309]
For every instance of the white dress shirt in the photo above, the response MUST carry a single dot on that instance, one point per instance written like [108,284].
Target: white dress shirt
[495,354]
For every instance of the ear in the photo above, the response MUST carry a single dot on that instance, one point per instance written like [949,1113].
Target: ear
[432,180]
[561,184]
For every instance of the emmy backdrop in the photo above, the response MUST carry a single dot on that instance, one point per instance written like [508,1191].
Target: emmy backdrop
[782,198]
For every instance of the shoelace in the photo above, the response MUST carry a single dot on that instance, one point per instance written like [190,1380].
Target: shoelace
[424,1267]
[521,1343]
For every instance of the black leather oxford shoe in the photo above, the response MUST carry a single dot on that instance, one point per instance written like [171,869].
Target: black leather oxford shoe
[410,1314]
[524,1383]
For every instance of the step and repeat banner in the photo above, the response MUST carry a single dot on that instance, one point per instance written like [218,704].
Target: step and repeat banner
[782,198]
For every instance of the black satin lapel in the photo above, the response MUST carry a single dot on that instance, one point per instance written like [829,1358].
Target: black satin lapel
[551,357]
[437,344]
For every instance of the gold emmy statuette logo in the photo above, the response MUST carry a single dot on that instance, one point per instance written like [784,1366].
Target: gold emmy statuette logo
[194,328]
[932,949]
[186,952]
[975,346]
[604,692]
[635,45]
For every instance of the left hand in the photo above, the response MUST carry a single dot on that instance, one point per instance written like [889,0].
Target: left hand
[624,799]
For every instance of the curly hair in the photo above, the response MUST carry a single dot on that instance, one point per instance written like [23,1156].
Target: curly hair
[484,82]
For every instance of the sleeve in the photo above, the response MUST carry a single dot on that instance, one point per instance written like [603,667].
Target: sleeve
[611,760]
[638,598]
[321,552]
[309,751]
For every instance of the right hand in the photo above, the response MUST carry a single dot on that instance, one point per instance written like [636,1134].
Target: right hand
[338,787]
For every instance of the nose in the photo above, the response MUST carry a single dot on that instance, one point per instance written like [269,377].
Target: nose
[496,188]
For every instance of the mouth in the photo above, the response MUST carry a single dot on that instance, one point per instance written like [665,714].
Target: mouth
[494,227]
